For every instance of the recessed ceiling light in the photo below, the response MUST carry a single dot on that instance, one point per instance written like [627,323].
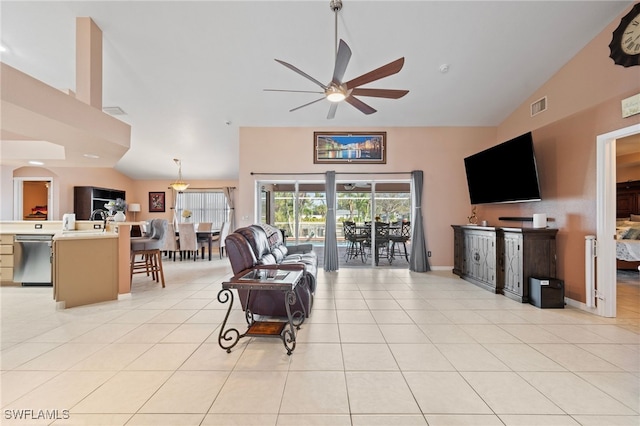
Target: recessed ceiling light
[36,163]
[93,156]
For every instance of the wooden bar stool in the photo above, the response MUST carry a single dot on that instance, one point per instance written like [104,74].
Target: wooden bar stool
[148,248]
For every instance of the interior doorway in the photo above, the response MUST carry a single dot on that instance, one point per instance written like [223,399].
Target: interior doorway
[606,295]
[33,198]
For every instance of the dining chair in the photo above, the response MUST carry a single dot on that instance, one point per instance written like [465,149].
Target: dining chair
[203,240]
[355,242]
[188,240]
[224,231]
[400,235]
[171,246]
[381,237]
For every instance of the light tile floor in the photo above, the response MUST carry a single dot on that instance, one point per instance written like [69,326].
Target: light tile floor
[382,347]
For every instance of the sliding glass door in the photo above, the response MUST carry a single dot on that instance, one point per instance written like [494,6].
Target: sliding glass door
[299,208]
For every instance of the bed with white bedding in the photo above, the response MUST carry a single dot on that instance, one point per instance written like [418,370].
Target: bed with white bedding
[628,243]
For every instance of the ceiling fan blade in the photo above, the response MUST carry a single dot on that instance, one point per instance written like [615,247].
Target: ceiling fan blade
[302,73]
[307,104]
[360,105]
[293,91]
[384,71]
[380,93]
[342,60]
[332,110]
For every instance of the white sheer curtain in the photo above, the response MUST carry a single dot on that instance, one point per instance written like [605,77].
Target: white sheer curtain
[228,192]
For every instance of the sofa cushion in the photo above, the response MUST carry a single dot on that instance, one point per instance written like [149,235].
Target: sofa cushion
[277,252]
[257,240]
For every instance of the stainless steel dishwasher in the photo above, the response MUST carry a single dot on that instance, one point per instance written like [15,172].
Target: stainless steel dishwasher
[32,259]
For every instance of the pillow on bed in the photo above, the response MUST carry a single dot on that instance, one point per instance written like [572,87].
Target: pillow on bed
[620,231]
[631,234]
[635,218]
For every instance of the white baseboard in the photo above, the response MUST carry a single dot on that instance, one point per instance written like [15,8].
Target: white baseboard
[442,268]
[124,296]
[580,305]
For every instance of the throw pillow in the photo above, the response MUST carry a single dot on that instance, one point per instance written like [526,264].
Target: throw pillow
[632,234]
[635,218]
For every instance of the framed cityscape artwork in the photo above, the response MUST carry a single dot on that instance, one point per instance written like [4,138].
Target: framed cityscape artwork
[350,147]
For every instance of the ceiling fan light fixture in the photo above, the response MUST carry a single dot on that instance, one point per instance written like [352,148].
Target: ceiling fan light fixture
[335,94]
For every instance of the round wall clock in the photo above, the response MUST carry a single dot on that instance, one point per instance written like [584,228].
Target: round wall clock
[625,45]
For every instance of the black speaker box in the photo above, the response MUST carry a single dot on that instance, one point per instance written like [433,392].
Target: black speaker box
[546,292]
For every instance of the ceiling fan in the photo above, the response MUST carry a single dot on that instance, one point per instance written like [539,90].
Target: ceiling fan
[352,186]
[338,90]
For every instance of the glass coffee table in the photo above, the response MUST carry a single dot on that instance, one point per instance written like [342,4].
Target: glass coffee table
[270,279]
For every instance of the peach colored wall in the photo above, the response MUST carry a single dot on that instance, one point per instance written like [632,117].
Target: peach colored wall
[65,178]
[583,100]
[143,187]
[439,152]
[566,157]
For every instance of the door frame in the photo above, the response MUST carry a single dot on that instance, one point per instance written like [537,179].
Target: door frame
[606,293]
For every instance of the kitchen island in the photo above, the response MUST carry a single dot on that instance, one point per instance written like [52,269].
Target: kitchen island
[85,267]
[88,264]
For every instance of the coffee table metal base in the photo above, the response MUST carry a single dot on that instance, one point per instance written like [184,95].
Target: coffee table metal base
[285,330]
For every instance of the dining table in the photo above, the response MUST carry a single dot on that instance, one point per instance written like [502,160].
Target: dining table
[364,230]
[208,236]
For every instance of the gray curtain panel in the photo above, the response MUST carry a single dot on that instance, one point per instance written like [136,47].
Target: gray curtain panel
[330,239]
[418,261]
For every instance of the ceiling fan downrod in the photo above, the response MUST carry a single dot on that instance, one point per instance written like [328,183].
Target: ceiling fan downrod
[336,6]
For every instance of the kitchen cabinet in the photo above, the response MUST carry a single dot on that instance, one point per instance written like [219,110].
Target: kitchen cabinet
[6,259]
[89,198]
[85,269]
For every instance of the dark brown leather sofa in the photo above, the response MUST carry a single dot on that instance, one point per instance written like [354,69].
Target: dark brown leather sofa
[263,245]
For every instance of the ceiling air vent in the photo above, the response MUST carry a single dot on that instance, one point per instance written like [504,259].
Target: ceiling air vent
[538,106]
[114,110]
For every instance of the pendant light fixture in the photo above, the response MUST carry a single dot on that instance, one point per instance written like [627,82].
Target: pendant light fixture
[179,185]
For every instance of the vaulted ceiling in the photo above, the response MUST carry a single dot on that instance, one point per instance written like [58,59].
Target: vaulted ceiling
[188,75]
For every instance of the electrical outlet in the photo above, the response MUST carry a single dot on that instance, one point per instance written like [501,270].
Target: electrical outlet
[429,254]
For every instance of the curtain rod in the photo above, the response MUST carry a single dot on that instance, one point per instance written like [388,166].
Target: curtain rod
[337,173]
[191,189]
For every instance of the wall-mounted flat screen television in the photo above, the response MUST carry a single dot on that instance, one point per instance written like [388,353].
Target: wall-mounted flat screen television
[505,173]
